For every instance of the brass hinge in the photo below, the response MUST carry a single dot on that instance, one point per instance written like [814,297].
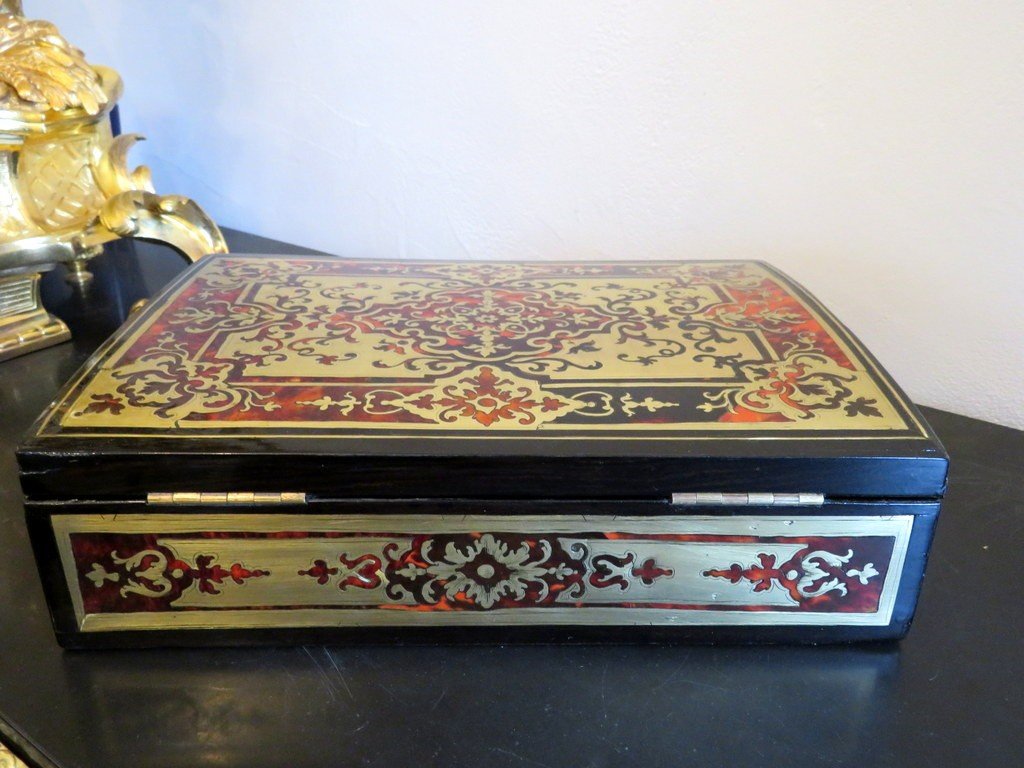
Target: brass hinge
[236,497]
[749,499]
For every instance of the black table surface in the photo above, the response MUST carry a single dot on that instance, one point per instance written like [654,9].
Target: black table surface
[951,694]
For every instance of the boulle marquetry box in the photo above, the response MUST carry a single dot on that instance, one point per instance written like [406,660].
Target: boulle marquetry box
[321,449]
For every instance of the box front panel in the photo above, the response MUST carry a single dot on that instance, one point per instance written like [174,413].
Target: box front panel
[179,571]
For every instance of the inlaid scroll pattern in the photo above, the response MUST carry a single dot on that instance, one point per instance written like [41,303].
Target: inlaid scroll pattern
[157,572]
[807,575]
[512,571]
[475,572]
[478,346]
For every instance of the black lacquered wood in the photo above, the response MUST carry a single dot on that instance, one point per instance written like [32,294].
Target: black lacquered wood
[240,467]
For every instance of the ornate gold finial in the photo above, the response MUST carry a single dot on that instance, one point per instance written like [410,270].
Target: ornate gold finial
[41,70]
[65,185]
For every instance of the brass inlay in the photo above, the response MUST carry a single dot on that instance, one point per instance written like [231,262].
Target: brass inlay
[293,579]
[376,355]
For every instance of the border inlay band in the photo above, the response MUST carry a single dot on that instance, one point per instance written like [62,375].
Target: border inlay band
[164,571]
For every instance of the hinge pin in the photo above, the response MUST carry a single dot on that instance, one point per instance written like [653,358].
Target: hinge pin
[749,499]
[235,497]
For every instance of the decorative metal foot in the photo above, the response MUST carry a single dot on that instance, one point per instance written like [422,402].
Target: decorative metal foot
[78,272]
[25,325]
[9,760]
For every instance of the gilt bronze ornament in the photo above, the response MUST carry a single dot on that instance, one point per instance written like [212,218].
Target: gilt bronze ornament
[65,185]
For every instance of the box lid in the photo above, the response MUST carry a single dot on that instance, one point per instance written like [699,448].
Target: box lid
[422,379]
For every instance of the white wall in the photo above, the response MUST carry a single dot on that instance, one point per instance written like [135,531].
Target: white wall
[873,150]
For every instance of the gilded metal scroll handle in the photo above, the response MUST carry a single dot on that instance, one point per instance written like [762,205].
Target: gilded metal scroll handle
[133,209]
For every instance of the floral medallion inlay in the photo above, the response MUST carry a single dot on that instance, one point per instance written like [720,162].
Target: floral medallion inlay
[128,570]
[463,349]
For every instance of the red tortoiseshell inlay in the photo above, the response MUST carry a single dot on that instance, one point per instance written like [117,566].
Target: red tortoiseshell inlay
[466,349]
[128,573]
